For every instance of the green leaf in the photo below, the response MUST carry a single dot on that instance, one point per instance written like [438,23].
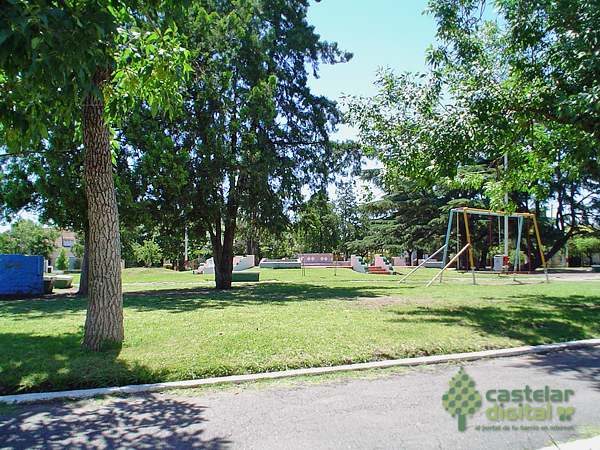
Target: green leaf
[153,37]
[4,34]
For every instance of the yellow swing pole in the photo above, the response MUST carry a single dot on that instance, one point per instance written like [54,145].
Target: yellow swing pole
[539,240]
[469,244]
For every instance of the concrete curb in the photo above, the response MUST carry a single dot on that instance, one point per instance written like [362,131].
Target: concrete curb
[133,389]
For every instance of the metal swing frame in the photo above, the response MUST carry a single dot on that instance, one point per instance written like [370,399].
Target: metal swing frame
[465,211]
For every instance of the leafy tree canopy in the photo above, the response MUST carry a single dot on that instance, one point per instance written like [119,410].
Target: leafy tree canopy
[250,133]
[148,253]
[523,85]
[317,225]
[48,182]
[51,51]
[26,237]
[351,224]
[587,245]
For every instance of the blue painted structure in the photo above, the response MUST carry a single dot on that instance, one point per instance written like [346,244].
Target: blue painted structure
[21,275]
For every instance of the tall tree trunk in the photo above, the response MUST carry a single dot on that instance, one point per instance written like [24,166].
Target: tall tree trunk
[83,279]
[104,320]
[484,258]
[222,239]
[223,255]
[536,260]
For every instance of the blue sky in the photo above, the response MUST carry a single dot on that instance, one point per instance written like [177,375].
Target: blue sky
[380,33]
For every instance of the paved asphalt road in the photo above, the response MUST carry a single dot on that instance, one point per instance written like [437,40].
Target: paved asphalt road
[390,412]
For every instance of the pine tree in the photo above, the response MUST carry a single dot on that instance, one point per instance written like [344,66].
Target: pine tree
[62,262]
[250,134]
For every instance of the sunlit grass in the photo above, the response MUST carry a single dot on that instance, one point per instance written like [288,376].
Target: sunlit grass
[186,329]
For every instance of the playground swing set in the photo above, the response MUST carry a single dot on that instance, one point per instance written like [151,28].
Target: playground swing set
[498,263]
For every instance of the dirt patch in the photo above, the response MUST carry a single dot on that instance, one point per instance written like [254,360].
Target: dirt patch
[573,275]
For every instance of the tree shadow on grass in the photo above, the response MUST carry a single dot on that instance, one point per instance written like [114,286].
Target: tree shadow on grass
[57,306]
[182,300]
[534,319]
[180,297]
[34,363]
[185,298]
[141,422]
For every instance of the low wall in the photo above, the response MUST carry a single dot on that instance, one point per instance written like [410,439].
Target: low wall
[280,264]
[21,275]
[248,275]
[434,264]
[399,261]
[316,259]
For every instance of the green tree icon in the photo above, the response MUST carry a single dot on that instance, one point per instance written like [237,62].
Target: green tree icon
[461,399]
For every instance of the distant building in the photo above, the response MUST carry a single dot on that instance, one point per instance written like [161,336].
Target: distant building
[67,240]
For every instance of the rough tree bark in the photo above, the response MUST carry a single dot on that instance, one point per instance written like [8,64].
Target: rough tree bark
[104,320]
[223,255]
[222,237]
[83,279]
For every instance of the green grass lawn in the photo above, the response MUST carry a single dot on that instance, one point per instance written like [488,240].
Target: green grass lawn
[178,327]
